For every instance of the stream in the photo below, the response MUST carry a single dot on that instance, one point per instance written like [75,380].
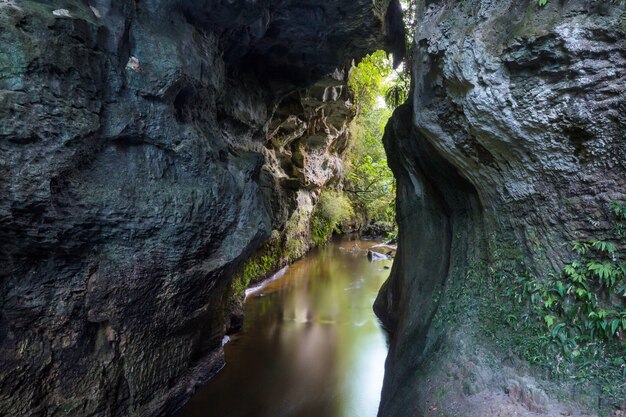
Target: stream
[311,345]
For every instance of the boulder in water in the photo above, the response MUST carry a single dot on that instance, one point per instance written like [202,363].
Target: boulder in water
[376,256]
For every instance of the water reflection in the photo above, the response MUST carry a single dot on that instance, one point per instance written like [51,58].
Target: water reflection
[311,345]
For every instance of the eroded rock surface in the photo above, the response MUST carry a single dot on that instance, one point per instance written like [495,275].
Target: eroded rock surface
[146,149]
[512,147]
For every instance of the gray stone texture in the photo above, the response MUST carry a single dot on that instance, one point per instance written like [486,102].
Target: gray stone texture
[146,149]
[514,136]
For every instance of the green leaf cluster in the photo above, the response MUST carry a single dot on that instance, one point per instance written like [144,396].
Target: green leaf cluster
[369,181]
[267,259]
[332,210]
[618,210]
[369,79]
[572,324]
[587,301]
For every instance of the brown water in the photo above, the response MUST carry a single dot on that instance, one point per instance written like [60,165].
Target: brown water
[311,345]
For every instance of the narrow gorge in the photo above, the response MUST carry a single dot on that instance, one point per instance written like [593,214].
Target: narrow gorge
[157,157]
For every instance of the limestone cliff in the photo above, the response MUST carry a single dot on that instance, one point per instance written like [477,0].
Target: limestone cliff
[511,148]
[146,149]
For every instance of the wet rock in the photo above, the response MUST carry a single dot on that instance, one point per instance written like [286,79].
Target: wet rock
[526,393]
[511,143]
[377,230]
[138,172]
[374,256]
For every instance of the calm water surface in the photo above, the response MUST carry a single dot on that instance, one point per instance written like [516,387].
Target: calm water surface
[311,345]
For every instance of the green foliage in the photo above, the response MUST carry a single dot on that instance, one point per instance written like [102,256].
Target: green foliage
[573,324]
[399,92]
[570,325]
[331,211]
[587,297]
[370,183]
[264,262]
[618,210]
[409,7]
[368,80]
[375,79]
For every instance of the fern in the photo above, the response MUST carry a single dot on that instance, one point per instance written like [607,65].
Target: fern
[603,246]
[581,247]
[618,209]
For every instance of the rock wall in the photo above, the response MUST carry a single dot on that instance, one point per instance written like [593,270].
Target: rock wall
[306,142]
[146,150]
[511,147]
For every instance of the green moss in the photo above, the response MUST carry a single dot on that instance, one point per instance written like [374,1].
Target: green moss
[267,259]
[517,315]
[300,231]
[295,245]
[331,211]
[504,303]
[277,252]
[321,230]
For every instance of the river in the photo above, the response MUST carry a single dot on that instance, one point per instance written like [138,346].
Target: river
[311,345]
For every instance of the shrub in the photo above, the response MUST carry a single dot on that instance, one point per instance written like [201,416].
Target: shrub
[331,211]
[370,182]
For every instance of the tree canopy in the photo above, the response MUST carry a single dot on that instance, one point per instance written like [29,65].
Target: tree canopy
[370,183]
